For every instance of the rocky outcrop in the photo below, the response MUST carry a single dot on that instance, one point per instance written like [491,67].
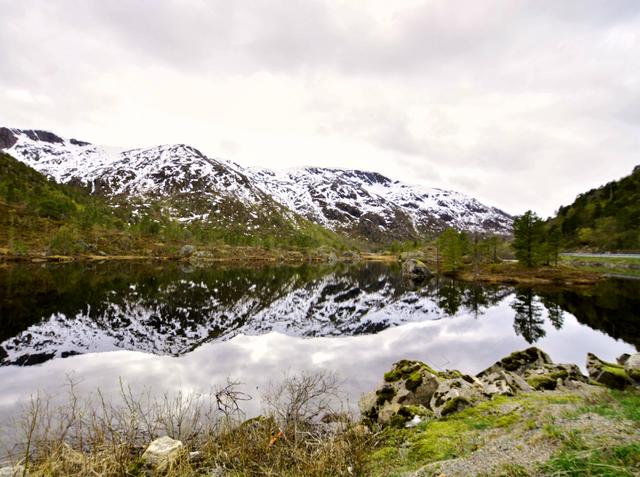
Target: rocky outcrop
[412,391]
[162,452]
[7,138]
[611,375]
[415,269]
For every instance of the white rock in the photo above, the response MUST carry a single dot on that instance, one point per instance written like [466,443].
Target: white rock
[162,452]
[632,366]
[12,471]
[413,422]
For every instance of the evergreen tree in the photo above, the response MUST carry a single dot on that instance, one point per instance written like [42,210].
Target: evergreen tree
[528,243]
[451,245]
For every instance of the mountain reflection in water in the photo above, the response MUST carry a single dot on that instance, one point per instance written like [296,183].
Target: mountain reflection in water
[55,311]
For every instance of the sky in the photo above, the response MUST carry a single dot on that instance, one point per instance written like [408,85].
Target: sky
[521,104]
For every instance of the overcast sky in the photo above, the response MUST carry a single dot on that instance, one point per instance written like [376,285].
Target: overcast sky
[522,104]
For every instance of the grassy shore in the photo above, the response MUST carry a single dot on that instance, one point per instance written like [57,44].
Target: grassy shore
[624,266]
[513,273]
[591,431]
[586,431]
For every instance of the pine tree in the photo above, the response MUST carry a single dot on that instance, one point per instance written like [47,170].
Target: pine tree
[528,243]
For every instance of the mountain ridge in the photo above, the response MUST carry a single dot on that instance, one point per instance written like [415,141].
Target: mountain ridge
[362,204]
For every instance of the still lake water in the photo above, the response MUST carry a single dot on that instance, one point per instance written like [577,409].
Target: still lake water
[171,327]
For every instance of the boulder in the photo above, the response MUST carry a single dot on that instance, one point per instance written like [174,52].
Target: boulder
[12,471]
[414,268]
[519,361]
[187,250]
[632,367]
[609,374]
[412,391]
[527,370]
[405,393]
[162,452]
[454,395]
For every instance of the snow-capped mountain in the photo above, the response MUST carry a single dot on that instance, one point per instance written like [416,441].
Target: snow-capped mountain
[364,204]
[173,314]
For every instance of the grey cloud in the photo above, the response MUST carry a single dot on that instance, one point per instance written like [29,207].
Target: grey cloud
[558,79]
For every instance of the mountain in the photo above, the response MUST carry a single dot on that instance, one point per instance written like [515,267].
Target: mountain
[192,187]
[605,219]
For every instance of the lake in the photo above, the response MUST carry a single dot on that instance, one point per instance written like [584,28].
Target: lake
[171,327]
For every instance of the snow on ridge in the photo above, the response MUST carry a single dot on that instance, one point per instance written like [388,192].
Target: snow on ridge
[336,198]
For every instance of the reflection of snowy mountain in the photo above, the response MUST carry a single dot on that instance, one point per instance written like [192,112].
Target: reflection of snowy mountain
[175,316]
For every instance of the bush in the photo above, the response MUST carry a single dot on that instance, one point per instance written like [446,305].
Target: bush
[67,241]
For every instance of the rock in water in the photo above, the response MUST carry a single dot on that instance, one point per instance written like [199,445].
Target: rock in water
[162,452]
[610,374]
[632,367]
[187,250]
[414,268]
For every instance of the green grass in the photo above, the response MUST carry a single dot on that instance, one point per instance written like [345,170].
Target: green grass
[441,439]
[615,405]
[619,461]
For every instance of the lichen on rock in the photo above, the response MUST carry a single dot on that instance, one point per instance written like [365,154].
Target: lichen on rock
[413,385]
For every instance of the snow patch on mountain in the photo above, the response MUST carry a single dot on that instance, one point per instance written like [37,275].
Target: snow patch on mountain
[366,204]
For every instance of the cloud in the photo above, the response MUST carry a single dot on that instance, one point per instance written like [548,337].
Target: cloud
[521,103]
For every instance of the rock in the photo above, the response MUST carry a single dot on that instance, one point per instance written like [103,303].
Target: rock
[7,138]
[609,374]
[406,392]
[412,388]
[550,376]
[454,395]
[414,268]
[524,371]
[623,358]
[632,367]
[187,250]
[351,256]
[162,452]
[12,471]
[519,361]
[503,383]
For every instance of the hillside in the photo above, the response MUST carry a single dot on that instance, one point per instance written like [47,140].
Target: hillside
[40,216]
[189,187]
[603,219]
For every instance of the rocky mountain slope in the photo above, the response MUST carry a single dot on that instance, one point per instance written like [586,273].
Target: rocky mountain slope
[194,187]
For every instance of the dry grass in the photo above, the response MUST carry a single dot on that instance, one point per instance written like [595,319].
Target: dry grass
[303,431]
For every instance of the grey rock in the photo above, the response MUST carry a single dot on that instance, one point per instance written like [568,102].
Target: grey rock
[187,250]
[623,358]
[632,367]
[414,268]
[7,138]
[519,361]
[12,471]
[609,374]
